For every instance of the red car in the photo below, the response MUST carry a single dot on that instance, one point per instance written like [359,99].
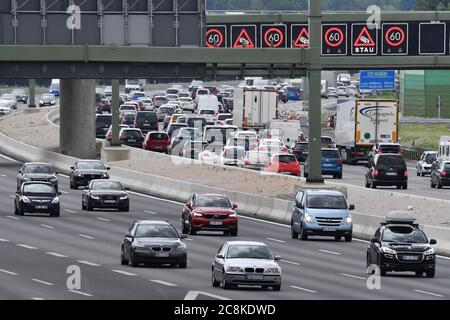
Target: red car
[209,212]
[285,164]
[157,141]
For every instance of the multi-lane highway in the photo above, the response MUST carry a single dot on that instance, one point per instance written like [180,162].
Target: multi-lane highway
[37,251]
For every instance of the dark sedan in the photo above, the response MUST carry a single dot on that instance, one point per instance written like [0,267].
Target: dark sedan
[36,171]
[105,194]
[37,197]
[21,95]
[301,150]
[131,137]
[84,171]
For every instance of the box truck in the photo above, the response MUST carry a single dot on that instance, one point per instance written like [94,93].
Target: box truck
[361,124]
[259,108]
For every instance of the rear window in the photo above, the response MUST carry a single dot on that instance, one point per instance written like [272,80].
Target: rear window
[158,136]
[390,149]
[292,89]
[160,98]
[210,112]
[234,153]
[132,133]
[146,116]
[386,162]
[103,119]
[301,146]
[284,158]
[130,116]
[224,116]
[325,140]
[195,122]
[330,154]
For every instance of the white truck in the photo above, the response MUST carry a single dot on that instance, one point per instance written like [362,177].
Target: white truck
[324,89]
[362,123]
[134,85]
[259,107]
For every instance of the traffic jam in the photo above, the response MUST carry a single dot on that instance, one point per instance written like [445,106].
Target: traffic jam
[200,123]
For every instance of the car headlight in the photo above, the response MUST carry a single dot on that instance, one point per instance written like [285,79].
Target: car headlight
[196,214]
[53,179]
[95,197]
[26,200]
[26,179]
[235,269]
[388,251]
[139,247]
[349,219]
[429,252]
[105,174]
[308,218]
[180,247]
[273,270]
[55,200]
[124,197]
[233,215]
[41,102]
[78,174]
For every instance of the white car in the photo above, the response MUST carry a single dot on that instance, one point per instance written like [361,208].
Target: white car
[272,146]
[332,92]
[209,114]
[148,104]
[246,263]
[9,99]
[172,97]
[424,164]
[208,157]
[5,107]
[342,91]
[232,156]
[187,103]
[246,134]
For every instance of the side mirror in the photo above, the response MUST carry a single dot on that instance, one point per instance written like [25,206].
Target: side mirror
[183,236]
[220,256]
[56,172]
[85,188]
[351,207]
[59,193]
[374,240]
[277,258]
[127,189]
[433,241]
[234,206]
[72,168]
[128,235]
[108,168]
[299,205]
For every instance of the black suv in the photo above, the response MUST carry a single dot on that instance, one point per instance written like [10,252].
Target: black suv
[36,171]
[146,121]
[301,150]
[86,170]
[37,197]
[440,174]
[387,170]
[102,124]
[400,245]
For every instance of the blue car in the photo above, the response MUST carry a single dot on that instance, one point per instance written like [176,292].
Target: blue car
[292,94]
[321,213]
[331,163]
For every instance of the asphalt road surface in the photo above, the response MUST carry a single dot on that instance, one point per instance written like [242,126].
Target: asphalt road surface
[37,250]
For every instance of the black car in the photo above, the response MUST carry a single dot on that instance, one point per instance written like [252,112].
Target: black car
[102,124]
[36,171]
[84,171]
[440,174]
[301,150]
[146,121]
[131,137]
[400,245]
[21,95]
[37,197]
[154,242]
[105,194]
[387,169]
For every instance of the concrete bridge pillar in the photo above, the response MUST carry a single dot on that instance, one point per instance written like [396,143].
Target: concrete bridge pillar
[77,118]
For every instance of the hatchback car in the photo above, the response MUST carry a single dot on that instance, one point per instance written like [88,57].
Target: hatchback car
[128,118]
[157,142]
[109,133]
[146,121]
[300,150]
[387,170]
[21,95]
[440,174]
[245,263]
[400,245]
[153,242]
[272,146]
[255,160]
[380,148]
[284,164]
[86,170]
[47,100]
[37,197]
[209,212]
[331,164]
[131,137]
[37,171]
[232,156]
[102,124]
[164,111]
[425,162]
[105,194]
[321,213]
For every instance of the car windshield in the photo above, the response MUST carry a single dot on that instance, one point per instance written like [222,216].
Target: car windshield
[156,231]
[106,185]
[90,165]
[248,252]
[158,136]
[292,89]
[326,202]
[330,154]
[212,201]
[430,158]
[38,189]
[285,158]
[404,234]
[18,91]
[47,96]
[387,162]
[38,168]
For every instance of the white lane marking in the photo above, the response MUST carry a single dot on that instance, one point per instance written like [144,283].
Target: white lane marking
[12,196]
[56,254]
[276,240]
[64,192]
[303,289]
[8,272]
[37,298]
[124,272]
[43,282]
[189,239]
[4,240]
[12,217]
[46,226]
[330,252]
[92,264]
[268,222]
[70,211]
[103,219]
[165,283]
[85,236]
[26,246]
[3,175]
[352,276]
[82,293]
[151,212]
[291,262]
[192,295]
[429,293]
[9,159]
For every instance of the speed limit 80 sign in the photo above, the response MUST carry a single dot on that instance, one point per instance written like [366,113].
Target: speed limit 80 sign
[334,39]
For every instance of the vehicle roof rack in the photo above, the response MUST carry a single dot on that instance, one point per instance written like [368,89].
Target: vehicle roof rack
[400,217]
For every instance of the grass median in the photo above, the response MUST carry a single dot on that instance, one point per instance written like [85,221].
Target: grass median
[425,136]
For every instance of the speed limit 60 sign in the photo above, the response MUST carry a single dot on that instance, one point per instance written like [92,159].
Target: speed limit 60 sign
[216,36]
[273,36]
[395,38]
[334,39]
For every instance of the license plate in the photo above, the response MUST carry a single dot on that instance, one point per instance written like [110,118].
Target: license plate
[216,223]
[41,207]
[329,229]
[391,173]
[158,147]
[131,140]
[254,277]
[162,254]
[410,258]
[110,201]
[327,165]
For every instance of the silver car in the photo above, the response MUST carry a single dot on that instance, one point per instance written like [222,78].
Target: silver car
[424,164]
[9,99]
[246,263]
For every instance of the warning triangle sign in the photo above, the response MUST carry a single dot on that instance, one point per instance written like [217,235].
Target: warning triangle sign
[302,40]
[244,40]
[364,39]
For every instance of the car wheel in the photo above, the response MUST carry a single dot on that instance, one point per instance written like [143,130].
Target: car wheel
[294,234]
[418,172]
[224,284]
[89,207]
[123,261]
[432,184]
[192,230]
[71,185]
[126,209]
[439,184]
[373,185]
[430,273]
[133,262]
[16,211]
[226,233]
[422,174]
[214,283]
[419,273]
[303,235]
[348,238]
[339,176]
[183,264]
[383,271]
[305,175]
[405,186]
[367,184]
[399,186]
[337,238]
[368,262]
[184,228]
[20,211]
[56,214]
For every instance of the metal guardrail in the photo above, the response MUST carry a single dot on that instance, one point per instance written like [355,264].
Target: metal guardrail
[413,153]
